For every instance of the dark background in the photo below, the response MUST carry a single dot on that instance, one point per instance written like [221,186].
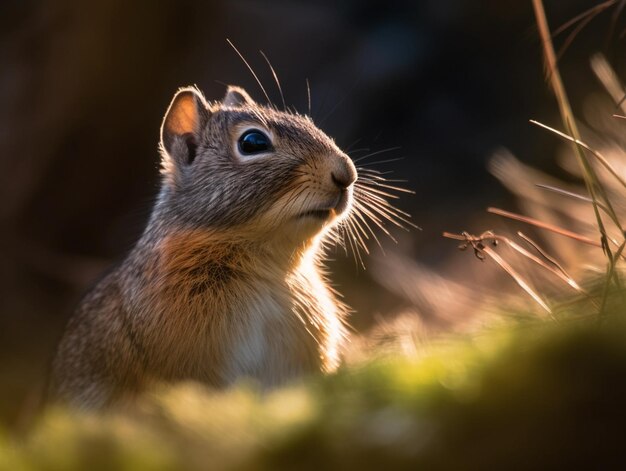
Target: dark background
[84,85]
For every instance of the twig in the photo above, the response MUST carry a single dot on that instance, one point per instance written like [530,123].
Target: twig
[545,225]
[480,250]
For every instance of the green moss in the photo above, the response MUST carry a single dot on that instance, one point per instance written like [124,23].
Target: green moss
[533,396]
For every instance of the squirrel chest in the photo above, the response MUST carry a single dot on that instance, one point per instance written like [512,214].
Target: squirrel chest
[220,311]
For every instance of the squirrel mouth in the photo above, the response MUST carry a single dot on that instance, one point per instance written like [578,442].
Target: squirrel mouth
[336,208]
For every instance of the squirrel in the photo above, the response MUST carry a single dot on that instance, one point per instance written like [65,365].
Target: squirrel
[226,280]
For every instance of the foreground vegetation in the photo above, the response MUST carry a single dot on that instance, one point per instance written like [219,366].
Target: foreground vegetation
[529,396]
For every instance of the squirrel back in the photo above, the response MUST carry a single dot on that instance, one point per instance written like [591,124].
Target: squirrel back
[226,280]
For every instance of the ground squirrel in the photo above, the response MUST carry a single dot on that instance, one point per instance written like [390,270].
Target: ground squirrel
[226,280]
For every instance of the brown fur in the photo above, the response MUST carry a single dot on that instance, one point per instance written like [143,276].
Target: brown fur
[225,281]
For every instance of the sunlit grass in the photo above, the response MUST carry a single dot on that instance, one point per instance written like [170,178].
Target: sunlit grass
[487,400]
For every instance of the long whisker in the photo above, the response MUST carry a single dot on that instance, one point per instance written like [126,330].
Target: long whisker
[367,192]
[390,213]
[371,207]
[250,69]
[379,192]
[357,214]
[384,209]
[359,234]
[280,89]
[308,94]
[370,174]
[340,102]
[336,236]
[351,241]
[339,235]
[389,149]
[375,219]
[355,142]
[371,185]
[382,161]
[360,149]
[355,244]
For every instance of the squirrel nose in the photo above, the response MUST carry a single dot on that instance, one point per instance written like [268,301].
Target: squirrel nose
[344,174]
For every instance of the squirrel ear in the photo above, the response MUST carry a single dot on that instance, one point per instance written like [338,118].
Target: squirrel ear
[237,96]
[184,119]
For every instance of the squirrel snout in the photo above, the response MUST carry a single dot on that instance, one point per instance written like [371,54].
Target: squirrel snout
[344,173]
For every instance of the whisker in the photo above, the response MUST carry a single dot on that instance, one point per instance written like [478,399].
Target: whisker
[336,234]
[380,192]
[308,94]
[359,235]
[357,225]
[280,89]
[370,187]
[339,232]
[357,214]
[353,249]
[375,179]
[389,212]
[376,220]
[382,151]
[360,149]
[373,173]
[340,102]
[382,161]
[365,193]
[347,149]
[344,234]
[355,241]
[251,70]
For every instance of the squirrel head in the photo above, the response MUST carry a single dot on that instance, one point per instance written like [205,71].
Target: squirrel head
[235,164]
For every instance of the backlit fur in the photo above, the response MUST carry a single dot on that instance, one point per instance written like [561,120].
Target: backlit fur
[225,281]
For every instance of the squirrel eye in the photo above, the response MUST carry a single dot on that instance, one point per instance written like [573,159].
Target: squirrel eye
[254,141]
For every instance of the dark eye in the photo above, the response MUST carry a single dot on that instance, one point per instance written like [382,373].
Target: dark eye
[254,141]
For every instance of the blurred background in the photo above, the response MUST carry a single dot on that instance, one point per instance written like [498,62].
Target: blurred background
[84,85]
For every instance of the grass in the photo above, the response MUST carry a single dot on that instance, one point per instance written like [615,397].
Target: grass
[595,188]
[606,217]
[533,395]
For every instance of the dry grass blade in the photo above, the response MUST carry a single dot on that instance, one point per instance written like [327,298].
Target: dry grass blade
[480,250]
[605,163]
[544,225]
[607,76]
[614,18]
[555,271]
[516,276]
[554,266]
[591,12]
[561,191]
[611,274]
[583,20]
[593,185]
